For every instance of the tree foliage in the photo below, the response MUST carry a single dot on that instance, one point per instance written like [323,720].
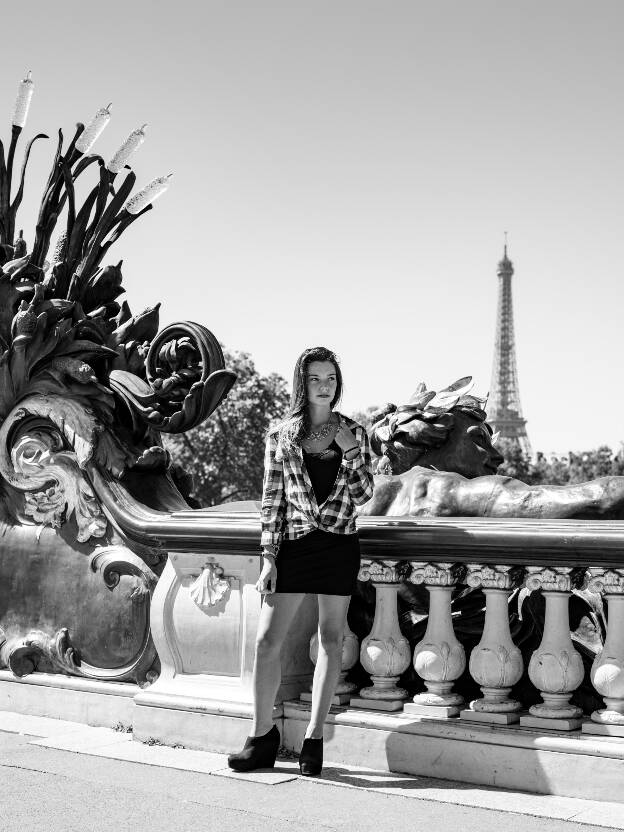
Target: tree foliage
[559,470]
[364,417]
[225,455]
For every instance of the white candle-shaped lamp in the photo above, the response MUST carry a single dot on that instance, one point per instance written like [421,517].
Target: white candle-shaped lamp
[147,195]
[22,102]
[127,149]
[93,130]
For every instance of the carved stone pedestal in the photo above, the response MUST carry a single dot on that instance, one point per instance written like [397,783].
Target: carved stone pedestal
[602,729]
[204,619]
[490,718]
[495,663]
[425,709]
[607,673]
[439,658]
[385,652]
[556,668]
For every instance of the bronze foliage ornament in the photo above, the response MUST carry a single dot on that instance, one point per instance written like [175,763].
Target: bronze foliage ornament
[83,382]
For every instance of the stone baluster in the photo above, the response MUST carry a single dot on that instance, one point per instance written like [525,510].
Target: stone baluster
[495,663]
[385,652]
[439,658]
[607,673]
[350,651]
[556,668]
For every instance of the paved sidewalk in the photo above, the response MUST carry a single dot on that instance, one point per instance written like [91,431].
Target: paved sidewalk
[67,777]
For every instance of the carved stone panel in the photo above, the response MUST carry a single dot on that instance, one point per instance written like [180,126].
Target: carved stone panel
[68,611]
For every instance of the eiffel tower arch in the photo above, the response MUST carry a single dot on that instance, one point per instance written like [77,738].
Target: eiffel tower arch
[504,408]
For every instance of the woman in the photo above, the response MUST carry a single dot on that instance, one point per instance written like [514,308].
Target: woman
[317,470]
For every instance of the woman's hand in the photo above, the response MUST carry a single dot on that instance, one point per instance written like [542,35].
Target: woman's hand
[345,440]
[268,576]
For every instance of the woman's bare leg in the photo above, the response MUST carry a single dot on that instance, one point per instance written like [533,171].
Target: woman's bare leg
[276,616]
[332,619]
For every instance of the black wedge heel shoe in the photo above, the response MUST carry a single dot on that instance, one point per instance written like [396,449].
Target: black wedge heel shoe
[258,752]
[311,757]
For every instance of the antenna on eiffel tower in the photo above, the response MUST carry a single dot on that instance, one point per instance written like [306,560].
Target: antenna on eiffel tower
[504,409]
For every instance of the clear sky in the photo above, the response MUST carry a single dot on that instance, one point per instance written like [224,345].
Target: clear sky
[344,173]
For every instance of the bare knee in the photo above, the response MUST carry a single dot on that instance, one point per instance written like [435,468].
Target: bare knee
[268,646]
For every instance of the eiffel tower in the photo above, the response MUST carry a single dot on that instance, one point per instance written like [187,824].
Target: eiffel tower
[504,409]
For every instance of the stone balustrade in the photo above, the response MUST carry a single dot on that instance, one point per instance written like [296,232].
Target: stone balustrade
[211,548]
[555,669]
[400,700]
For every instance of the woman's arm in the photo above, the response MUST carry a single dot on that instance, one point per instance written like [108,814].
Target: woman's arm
[273,497]
[359,469]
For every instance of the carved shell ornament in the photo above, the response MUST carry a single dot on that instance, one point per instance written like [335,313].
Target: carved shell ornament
[210,587]
[95,383]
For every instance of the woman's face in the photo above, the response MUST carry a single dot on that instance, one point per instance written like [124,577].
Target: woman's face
[321,383]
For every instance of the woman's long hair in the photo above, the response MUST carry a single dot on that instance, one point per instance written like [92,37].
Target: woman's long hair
[292,429]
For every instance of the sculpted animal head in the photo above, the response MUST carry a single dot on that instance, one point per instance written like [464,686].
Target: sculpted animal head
[445,431]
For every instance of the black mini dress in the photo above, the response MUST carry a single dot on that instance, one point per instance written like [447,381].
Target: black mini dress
[320,562]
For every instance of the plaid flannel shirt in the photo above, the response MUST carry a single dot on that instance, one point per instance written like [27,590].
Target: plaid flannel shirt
[289,507]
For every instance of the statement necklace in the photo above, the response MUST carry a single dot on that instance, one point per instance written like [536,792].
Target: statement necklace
[321,432]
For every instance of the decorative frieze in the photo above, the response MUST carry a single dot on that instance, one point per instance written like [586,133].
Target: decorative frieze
[606,581]
[493,577]
[437,574]
[551,579]
[384,572]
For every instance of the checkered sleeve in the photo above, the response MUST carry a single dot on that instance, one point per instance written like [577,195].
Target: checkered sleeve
[360,470]
[273,497]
